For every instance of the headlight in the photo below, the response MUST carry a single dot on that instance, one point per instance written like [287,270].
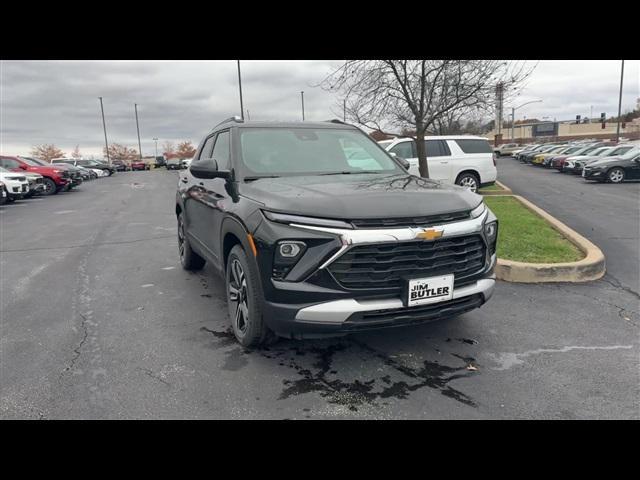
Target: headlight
[56,171]
[287,254]
[320,222]
[491,230]
[479,210]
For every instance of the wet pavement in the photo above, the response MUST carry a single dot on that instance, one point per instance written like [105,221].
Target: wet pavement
[100,321]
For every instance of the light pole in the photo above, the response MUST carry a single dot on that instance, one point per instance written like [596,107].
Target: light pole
[344,110]
[513,114]
[240,87]
[135,105]
[620,103]
[104,126]
[302,97]
[156,140]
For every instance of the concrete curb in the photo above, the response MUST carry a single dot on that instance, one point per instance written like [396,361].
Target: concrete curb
[591,267]
[505,190]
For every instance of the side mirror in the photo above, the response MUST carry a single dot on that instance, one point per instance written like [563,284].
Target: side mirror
[404,162]
[208,169]
[23,167]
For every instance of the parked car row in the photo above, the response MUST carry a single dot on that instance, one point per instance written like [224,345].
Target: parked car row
[23,177]
[601,161]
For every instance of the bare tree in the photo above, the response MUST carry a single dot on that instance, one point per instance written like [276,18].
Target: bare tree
[168,149]
[46,152]
[76,152]
[416,94]
[121,152]
[185,150]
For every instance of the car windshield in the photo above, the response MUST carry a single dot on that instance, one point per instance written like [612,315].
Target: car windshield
[34,162]
[311,151]
[630,154]
[601,152]
[28,161]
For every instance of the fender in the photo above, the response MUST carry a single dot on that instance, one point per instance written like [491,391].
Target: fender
[235,226]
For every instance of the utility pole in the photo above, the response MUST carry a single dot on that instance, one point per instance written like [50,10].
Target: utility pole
[156,140]
[344,110]
[104,126]
[620,103]
[240,87]
[135,105]
[302,96]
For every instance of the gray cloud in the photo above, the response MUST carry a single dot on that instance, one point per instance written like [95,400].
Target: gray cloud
[57,101]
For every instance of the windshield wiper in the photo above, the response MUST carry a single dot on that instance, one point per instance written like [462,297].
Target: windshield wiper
[258,177]
[350,172]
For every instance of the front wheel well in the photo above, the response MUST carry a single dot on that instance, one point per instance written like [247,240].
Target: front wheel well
[230,240]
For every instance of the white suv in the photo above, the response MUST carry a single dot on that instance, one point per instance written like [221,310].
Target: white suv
[461,159]
[16,184]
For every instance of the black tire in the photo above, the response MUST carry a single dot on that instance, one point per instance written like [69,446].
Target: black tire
[107,171]
[189,259]
[615,175]
[245,307]
[10,199]
[467,180]
[50,187]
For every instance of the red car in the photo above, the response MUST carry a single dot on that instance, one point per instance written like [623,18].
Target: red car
[138,165]
[55,179]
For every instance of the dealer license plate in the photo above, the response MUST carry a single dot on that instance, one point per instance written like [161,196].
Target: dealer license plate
[423,291]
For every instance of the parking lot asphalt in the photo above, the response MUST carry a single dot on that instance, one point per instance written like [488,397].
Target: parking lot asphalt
[100,321]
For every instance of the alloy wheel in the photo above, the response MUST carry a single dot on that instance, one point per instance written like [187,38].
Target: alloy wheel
[469,182]
[181,236]
[237,287]
[616,175]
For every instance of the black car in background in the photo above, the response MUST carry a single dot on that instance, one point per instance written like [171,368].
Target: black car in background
[120,166]
[614,169]
[312,243]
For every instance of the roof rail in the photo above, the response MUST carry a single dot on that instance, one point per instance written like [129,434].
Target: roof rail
[335,120]
[235,118]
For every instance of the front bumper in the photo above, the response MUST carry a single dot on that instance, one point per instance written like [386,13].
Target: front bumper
[349,315]
[593,174]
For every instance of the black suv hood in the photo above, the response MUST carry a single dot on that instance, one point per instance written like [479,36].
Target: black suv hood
[359,196]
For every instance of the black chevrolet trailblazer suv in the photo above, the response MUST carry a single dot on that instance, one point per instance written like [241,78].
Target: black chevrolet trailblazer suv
[318,231]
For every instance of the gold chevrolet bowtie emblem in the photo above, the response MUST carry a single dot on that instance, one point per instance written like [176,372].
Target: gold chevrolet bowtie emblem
[429,234]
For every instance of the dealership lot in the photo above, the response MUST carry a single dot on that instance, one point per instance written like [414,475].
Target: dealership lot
[100,321]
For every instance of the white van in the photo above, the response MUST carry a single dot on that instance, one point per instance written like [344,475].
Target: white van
[461,159]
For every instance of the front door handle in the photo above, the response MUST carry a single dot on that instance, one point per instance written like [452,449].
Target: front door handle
[184,180]
[444,162]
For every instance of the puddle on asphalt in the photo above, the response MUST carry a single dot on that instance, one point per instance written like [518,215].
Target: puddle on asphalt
[316,368]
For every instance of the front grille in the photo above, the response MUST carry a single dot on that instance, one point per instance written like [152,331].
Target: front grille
[65,174]
[39,180]
[411,221]
[383,266]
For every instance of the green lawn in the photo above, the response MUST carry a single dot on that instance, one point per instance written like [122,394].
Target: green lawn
[492,188]
[526,237]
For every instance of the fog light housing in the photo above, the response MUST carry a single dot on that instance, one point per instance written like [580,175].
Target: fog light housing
[287,254]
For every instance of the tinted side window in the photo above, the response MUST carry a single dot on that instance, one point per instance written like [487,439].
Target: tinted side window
[221,151]
[403,150]
[9,163]
[208,146]
[474,146]
[434,148]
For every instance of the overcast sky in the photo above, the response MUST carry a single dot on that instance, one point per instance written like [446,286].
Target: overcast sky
[57,101]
